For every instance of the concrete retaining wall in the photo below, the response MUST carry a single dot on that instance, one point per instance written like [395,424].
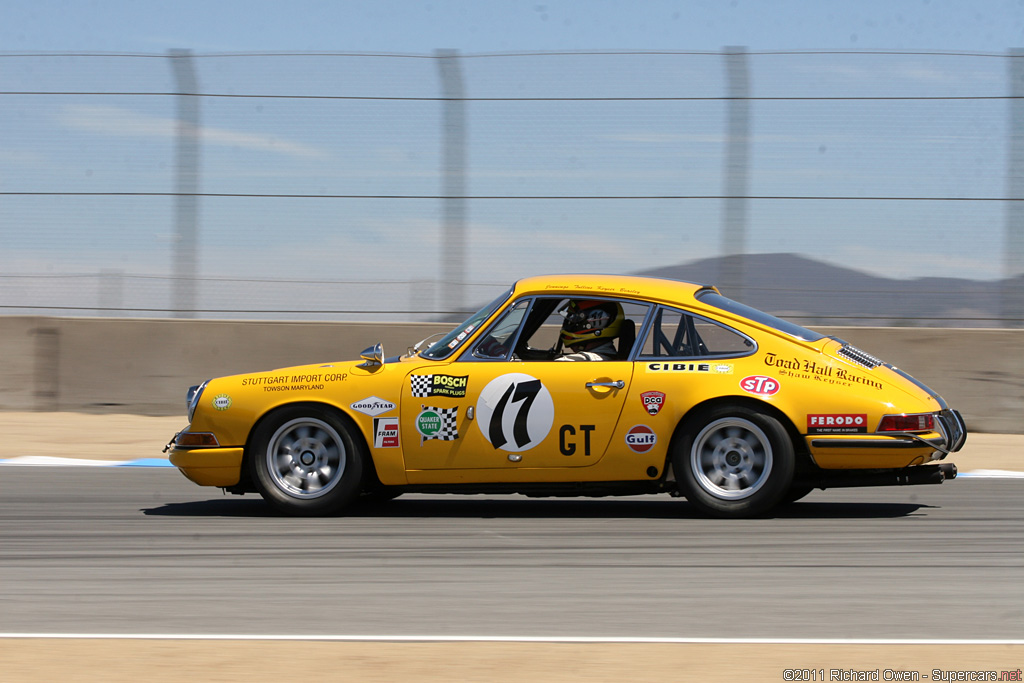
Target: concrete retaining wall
[145,366]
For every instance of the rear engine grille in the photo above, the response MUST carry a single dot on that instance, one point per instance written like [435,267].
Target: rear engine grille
[858,356]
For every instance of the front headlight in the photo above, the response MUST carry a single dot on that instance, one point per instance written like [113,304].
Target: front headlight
[192,397]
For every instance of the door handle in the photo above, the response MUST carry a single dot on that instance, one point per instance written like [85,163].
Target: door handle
[617,384]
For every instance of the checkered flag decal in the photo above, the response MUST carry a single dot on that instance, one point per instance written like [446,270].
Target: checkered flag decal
[449,430]
[421,385]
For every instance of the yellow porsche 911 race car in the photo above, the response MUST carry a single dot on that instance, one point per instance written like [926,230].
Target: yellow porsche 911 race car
[578,385]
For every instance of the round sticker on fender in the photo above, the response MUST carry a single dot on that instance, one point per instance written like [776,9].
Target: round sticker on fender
[641,439]
[760,385]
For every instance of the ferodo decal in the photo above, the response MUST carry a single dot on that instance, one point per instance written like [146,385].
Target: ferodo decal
[679,366]
[439,385]
[641,438]
[221,401]
[385,432]
[437,423]
[653,401]
[837,424]
[515,412]
[373,406]
[760,385]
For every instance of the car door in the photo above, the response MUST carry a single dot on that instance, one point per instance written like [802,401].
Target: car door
[521,408]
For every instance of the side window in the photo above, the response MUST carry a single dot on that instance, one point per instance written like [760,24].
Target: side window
[676,334]
[544,328]
[496,341]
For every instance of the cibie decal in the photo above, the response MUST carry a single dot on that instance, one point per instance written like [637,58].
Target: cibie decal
[385,432]
[641,438]
[373,406]
[221,401]
[760,385]
[714,368]
[515,412]
[438,423]
[653,401]
[837,424]
[439,385]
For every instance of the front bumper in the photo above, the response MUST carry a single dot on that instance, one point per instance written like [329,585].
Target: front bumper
[209,466]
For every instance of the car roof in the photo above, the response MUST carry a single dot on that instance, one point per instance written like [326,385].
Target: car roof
[649,288]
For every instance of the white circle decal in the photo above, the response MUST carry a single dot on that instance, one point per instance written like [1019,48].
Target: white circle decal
[515,412]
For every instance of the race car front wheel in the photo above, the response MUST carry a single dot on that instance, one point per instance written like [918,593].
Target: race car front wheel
[733,461]
[305,461]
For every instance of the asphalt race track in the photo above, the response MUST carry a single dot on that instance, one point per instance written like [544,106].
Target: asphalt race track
[144,551]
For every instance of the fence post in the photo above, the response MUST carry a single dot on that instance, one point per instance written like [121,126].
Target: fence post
[453,128]
[1013,227]
[737,172]
[186,204]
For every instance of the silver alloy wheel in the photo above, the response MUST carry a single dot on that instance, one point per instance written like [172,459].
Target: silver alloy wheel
[306,458]
[731,458]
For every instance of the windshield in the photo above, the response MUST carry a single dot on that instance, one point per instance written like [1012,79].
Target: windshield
[445,346]
[713,298]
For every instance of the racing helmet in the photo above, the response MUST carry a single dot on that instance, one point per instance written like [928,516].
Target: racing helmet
[588,321]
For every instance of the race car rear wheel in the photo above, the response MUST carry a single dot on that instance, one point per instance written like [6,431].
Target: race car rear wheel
[734,461]
[305,461]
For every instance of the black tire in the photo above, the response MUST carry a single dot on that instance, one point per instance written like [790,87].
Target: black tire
[733,461]
[306,462]
[795,493]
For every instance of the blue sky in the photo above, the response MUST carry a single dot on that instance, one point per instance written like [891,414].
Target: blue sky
[499,25]
[861,149]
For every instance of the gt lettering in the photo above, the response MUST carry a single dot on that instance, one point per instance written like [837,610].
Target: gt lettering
[568,447]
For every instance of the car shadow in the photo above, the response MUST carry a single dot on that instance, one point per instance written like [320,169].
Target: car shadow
[471,507]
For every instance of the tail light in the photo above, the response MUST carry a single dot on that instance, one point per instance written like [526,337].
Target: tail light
[921,422]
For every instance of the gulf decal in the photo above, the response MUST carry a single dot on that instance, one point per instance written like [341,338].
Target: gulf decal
[837,424]
[760,385]
[652,401]
[641,438]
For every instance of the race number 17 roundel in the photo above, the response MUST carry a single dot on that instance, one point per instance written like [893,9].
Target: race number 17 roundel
[515,412]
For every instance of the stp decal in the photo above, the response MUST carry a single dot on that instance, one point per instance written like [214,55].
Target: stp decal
[837,424]
[515,412]
[653,401]
[641,439]
[385,432]
[760,385]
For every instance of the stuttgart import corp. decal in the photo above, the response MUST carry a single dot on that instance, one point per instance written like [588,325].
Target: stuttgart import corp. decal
[515,412]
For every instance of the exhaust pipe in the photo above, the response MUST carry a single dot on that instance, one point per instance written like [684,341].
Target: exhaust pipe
[907,476]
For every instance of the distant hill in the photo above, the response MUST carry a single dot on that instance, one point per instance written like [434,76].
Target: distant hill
[814,292]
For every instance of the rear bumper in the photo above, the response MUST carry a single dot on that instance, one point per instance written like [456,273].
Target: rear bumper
[209,466]
[894,450]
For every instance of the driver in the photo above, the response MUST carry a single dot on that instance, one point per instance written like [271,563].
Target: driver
[589,328]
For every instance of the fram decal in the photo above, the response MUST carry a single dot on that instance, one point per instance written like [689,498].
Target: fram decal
[385,432]
[515,412]
[837,424]
[760,385]
[641,438]
[653,401]
[453,386]
[373,406]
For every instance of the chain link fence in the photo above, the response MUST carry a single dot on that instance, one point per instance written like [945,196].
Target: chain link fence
[833,186]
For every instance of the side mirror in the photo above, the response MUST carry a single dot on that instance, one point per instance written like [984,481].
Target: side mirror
[374,355]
